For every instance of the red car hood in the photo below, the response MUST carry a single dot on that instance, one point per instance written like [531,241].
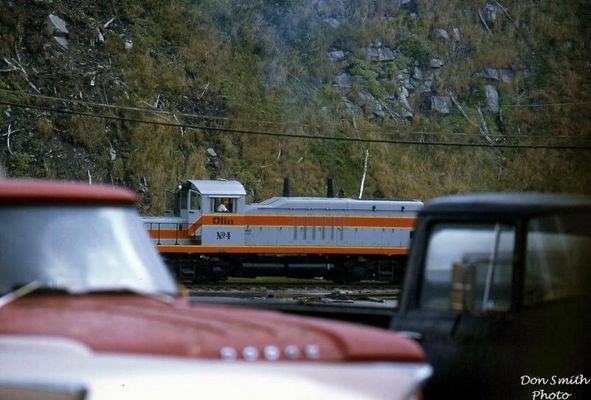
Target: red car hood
[135,324]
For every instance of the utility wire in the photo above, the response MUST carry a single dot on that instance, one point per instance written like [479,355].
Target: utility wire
[227,119]
[573,103]
[294,135]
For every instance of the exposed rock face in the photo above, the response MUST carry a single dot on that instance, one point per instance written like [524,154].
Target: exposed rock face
[403,100]
[491,73]
[352,109]
[379,54]
[417,73]
[442,34]
[492,99]
[336,55]
[506,75]
[58,29]
[57,25]
[441,104]
[426,86]
[369,103]
[62,42]
[344,81]
[436,63]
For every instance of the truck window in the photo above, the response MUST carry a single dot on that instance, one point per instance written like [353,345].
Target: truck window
[558,254]
[486,250]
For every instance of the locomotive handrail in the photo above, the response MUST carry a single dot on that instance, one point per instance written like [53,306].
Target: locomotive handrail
[155,229]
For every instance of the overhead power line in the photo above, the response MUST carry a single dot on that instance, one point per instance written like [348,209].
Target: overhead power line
[155,111]
[292,135]
[572,103]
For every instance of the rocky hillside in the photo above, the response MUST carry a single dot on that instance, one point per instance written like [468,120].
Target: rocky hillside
[414,98]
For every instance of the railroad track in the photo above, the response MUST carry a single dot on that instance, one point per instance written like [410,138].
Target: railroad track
[312,291]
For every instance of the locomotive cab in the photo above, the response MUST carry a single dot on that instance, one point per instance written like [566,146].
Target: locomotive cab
[187,202]
[196,198]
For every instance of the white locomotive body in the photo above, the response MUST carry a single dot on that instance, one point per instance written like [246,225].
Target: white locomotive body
[212,233]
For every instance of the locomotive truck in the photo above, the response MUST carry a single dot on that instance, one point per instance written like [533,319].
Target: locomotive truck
[212,233]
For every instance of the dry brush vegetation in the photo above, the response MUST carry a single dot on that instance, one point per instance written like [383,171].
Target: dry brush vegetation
[263,66]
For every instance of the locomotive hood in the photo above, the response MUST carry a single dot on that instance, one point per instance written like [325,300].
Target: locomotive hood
[124,323]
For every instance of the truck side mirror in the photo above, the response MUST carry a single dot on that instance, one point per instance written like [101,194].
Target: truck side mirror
[461,298]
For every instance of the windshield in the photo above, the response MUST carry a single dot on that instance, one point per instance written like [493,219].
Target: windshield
[81,249]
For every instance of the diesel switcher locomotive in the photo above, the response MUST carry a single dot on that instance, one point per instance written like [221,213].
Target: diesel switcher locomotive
[212,233]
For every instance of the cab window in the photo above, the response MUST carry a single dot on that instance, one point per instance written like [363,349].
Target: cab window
[195,201]
[223,205]
[181,199]
[468,267]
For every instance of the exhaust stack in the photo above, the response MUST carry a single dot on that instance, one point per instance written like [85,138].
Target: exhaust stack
[286,188]
[329,188]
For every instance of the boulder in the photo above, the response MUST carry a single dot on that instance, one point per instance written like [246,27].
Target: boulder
[369,104]
[417,73]
[436,63]
[426,86]
[336,55]
[344,81]
[379,54]
[442,34]
[372,54]
[441,104]
[57,26]
[488,73]
[491,73]
[492,99]
[62,42]
[403,100]
[211,152]
[352,109]
[386,54]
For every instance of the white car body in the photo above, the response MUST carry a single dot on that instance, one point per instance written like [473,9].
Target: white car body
[57,368]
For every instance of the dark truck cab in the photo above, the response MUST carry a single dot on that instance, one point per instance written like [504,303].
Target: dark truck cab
[497,293]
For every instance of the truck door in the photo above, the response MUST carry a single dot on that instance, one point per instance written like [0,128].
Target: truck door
[462,304]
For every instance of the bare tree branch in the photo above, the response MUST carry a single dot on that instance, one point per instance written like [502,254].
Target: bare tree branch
[361,186]
[9,132]
[482,129]
[504,10]
[484,22]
